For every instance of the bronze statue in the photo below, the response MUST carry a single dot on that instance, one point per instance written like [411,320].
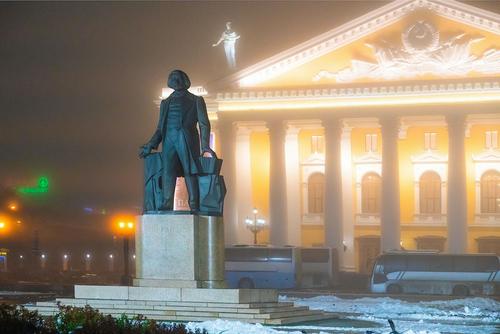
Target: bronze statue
[180,114]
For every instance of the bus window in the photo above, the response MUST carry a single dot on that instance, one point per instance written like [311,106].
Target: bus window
[465,263]
[394,263]
[280,255]
[419,263]
[246,255]
[487,263]
[440,263]
[316,255]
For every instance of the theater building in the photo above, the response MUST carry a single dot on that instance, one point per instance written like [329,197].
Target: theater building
[380,134]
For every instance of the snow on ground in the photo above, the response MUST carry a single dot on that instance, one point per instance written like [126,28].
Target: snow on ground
[457,316]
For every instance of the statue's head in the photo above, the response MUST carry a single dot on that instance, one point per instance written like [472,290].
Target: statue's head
[228,25]
[178,80]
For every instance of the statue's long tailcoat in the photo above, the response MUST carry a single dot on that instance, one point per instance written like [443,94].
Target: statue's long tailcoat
[184,136]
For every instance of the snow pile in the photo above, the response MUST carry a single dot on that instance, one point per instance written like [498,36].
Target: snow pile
[469,309]
[458,316]
[235,327]
[447,316]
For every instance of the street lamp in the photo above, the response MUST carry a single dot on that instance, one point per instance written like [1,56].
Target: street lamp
[126,227]
[255,225]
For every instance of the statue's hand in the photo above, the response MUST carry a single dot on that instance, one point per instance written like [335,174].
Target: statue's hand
[145,150]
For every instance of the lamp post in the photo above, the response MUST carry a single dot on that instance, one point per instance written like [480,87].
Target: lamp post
[126,228]
[255,225]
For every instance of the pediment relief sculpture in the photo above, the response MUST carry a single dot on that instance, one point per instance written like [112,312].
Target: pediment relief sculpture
[422,51]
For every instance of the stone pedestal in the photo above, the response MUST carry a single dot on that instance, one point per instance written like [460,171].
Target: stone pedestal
[179,251]
[176,256]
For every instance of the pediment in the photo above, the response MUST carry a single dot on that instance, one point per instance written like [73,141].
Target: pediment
[314,159]
[429,157]
[487,156]
[369,158]
[404,40]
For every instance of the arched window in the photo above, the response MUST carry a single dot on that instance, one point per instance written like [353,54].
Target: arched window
[490,192]
[370,193]
[430,193]
[316,191]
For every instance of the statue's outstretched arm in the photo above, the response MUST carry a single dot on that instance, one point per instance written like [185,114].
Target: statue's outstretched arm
[221,39]
[204,124]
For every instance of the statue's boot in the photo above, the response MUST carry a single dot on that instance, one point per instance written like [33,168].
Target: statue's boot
[193,192]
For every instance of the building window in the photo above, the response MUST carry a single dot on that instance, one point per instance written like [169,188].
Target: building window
[370,193]
[430,193]
[490,192]
[316,191]
[317,144]
[371,142]
[430,141]
[491,139]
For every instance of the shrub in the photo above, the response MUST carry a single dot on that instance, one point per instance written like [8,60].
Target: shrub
[76,320]
[18,320]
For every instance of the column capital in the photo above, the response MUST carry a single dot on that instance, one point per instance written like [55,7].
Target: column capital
[276,128]
[389,121]
[457,120]
[332,123]
[250,126]
[390,127]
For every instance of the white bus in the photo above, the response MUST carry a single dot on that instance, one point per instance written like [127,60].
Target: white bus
[262,267]
[435,273]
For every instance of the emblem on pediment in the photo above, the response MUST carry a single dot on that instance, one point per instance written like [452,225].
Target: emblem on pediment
[420,37]
[421,51]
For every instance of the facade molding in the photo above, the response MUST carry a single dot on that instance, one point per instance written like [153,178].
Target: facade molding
[359,28]
[414,89]
[420,121]
[368,163]
[315,163]
[484,162]
[480,119]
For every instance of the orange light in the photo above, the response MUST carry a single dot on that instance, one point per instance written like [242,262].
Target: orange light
[13,206]
[123,224]
[2,225]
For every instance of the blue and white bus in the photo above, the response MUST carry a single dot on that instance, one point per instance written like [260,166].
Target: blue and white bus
[262,267]
[436,273]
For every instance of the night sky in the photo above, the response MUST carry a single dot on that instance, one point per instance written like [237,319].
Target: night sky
[78,80]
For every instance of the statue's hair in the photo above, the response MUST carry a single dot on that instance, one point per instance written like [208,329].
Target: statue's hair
[178,79]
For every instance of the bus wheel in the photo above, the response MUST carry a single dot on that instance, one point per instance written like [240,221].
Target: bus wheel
[246,283]
[460,290]
[394,289]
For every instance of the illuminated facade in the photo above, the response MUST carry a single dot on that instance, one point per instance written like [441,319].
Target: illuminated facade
[379,134]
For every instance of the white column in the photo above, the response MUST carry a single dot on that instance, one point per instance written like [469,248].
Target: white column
[347,256]
[227,146]
[333,186]
[390,214]
[457,191]
[277,184]
[294,231]
[243,178]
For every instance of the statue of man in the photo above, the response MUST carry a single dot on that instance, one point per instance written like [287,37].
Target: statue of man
[229,38]
[180,113]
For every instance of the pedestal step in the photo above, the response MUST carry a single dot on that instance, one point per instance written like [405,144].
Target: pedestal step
[273,313]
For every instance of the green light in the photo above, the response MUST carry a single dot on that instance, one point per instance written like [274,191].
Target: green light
[43,187]
[43,182]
